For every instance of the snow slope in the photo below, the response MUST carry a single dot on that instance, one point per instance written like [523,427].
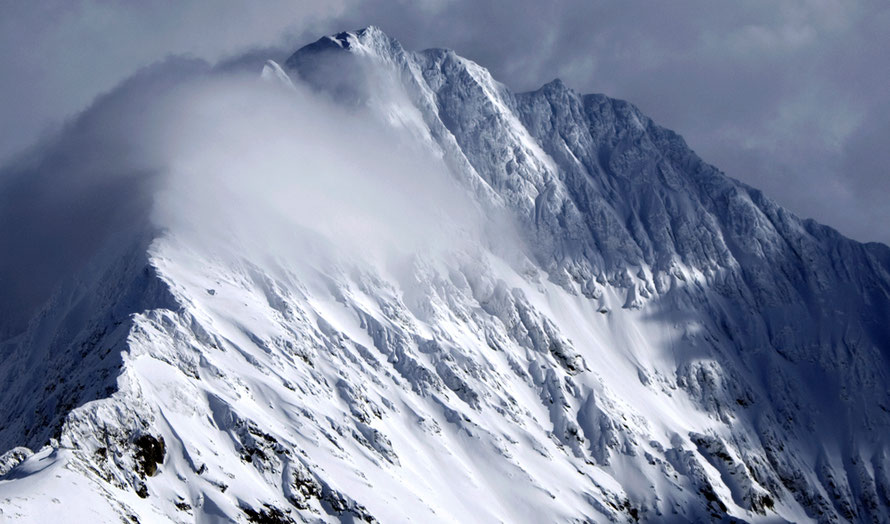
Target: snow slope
[632,336]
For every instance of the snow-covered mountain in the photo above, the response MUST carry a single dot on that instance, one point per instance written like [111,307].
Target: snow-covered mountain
[611,330]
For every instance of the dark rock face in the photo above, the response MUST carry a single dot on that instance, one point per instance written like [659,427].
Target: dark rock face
[150,452]
[267,515]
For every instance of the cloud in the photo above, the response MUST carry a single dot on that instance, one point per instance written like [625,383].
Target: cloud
[225,161]
[60,202]
[244,157]
[57,55]
[778,95]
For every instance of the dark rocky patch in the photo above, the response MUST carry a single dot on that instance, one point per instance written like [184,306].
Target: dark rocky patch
[150,453]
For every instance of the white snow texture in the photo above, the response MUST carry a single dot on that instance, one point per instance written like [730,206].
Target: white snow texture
[375,285]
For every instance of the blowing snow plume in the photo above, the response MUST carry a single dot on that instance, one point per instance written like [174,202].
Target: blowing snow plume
[264,320]
[250,157]
[225,161]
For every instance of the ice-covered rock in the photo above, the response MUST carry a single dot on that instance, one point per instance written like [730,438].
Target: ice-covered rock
[671,346]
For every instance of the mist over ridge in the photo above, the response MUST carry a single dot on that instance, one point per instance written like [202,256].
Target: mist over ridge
[374,284]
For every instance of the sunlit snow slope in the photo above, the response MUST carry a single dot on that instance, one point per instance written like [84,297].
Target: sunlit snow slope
[611,331]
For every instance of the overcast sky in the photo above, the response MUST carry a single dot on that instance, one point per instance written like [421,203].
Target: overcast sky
[790,97]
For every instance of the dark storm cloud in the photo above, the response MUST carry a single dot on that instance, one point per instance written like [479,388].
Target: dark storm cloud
[790,97]
[60,203]
[57,55]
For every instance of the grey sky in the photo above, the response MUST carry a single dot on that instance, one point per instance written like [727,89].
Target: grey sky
[791,96]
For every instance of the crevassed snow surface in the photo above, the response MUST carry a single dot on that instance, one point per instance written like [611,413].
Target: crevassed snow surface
[665,344]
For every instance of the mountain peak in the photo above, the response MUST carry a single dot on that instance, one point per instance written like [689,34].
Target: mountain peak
[556,83]
[365,36]
[555,86]
[369,39]
[634,337]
